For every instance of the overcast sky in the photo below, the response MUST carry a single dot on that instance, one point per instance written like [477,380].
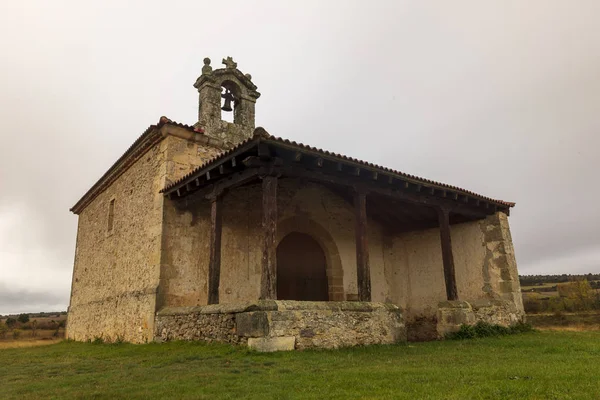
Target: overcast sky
[499,97]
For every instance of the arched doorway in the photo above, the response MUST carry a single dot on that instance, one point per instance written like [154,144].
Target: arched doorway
[301,269]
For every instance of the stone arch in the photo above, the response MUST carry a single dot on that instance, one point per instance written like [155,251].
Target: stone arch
[335,272]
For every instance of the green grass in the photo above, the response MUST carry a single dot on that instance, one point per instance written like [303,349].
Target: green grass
[538,365]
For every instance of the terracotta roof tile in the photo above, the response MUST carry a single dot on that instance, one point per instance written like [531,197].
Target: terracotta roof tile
[261,134]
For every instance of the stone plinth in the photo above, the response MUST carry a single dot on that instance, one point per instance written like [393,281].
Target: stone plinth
[452,314]
[272,325]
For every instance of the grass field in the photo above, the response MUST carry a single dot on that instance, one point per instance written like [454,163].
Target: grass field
[539,365]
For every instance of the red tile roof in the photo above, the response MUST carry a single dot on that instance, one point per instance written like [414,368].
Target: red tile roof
[261,134]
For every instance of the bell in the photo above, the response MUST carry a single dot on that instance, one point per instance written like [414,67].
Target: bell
[228,96]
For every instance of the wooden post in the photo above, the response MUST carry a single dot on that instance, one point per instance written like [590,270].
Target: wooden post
[268,281]
[448,258]
[363,271]
[214,266]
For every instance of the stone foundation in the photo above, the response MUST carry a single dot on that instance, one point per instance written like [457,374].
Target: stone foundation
[452,314]
[285,325]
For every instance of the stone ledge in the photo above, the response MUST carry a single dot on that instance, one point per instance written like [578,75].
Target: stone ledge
[281,305]
[264,325]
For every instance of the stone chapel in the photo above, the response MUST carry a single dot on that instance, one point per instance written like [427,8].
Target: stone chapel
[221,232]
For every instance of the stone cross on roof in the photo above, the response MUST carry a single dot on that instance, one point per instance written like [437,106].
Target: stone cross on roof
[229,63]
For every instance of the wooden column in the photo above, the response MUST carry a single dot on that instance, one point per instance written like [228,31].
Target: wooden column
[448,258]
[363,271]
[268,281]
[214,266]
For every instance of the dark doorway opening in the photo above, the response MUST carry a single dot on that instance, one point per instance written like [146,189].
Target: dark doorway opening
[301,269]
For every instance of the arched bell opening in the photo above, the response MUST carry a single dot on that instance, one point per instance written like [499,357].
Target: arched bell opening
[301,269]
[230,101]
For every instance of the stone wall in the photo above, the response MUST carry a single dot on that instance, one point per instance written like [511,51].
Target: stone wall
[115,274]
[285,325]
[501,277]
[452,314]
[116,271]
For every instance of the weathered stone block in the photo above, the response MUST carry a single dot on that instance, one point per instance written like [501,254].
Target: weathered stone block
[270,344]
[252,324]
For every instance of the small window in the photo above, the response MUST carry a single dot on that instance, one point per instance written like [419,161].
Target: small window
[111,215]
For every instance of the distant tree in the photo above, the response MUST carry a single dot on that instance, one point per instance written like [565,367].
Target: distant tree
[10,322]
[16,334]
[23,318]
[3,331]
[34,326]
[579,293]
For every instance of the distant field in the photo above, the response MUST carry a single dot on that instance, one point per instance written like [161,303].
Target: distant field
[566,321]
[540,365]
[26,338]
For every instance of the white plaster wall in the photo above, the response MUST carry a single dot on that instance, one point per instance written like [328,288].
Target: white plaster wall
[416,275]
[241,251]
[468,248]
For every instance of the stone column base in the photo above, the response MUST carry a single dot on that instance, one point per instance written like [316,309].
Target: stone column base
[452,314]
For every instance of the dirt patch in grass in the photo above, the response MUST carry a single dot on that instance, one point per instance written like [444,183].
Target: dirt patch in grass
[581,321]
[13,344]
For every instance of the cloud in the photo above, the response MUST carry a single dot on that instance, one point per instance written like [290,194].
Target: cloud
[581,261]
[13,301]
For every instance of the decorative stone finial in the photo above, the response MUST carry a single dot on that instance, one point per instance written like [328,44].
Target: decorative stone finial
[207,69]
[248,76]
[229,63]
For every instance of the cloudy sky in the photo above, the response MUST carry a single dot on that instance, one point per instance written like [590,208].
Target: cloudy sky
[500,97]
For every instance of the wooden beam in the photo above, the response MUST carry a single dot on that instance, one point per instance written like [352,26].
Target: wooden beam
[263,150]
[231,181]
[447,256]
[214,266]
[402,195]
[363,271]
[268,279]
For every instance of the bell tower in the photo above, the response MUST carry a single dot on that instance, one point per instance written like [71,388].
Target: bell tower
[239,96]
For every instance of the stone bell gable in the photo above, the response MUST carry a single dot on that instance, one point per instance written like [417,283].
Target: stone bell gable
[240,95]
